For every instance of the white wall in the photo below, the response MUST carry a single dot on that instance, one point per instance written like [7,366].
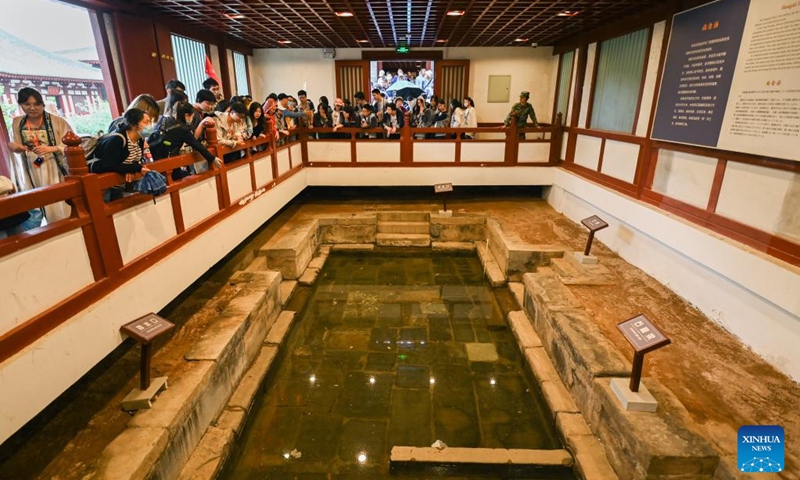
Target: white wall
[287,70]
[750,294]
[34,377]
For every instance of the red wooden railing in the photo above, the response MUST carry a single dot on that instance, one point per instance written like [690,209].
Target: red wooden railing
[95,218]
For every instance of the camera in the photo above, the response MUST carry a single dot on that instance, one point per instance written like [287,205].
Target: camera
[534,45]
[39,161]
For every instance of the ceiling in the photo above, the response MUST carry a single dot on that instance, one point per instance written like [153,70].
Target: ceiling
[390,23]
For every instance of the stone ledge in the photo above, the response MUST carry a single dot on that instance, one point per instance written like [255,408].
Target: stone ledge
[540,365]
[353,247]
[518,290]
[209,456]
[523,330]
[490,456]
[199,388]
[558,398]
[590,459]
[287,289]
[292,248]
[453,246]
[650,445]
[490,266]
[308,277]
[281,326]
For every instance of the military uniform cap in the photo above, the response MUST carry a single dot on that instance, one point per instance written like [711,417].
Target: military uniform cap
[525,94]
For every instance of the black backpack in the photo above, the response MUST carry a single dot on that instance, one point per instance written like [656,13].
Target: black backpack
[159,142]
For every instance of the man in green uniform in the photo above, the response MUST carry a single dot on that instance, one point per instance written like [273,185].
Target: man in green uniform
[522,110]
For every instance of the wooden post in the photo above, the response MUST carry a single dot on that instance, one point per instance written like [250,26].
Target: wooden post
[556,138]
[406,142]
[76,157]
[512,141]
[636,372]
[222,179]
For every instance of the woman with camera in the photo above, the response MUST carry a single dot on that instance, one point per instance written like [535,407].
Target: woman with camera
[36,138]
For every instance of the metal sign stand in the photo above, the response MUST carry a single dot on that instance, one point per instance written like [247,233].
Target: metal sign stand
[644,337]
[144,330]
[594,224]
[444,189]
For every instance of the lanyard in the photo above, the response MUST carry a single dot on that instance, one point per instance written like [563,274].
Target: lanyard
[31,136]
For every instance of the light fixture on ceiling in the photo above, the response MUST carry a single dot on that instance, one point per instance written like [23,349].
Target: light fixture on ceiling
[362,40]
[441,40]
[344,14]
[568,13]
[284,42]
[455,13]
[234,16]
[520,39]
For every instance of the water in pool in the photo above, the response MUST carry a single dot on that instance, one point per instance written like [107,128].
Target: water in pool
[391,349]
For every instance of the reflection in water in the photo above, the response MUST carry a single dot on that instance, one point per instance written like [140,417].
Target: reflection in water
[392,350]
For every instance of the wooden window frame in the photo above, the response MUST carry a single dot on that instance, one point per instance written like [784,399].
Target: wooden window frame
[558,84]
[246,71]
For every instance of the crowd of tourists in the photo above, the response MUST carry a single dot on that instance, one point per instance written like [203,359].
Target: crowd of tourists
[151,130]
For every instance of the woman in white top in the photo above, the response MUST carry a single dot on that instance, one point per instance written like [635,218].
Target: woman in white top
[456,115]
[470,117]
[232,130]
[36,136]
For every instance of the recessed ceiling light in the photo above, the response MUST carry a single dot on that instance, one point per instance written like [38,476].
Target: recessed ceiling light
[455,13]
[344,14]
[568,13]
[362,40]
[284,41]
[520,39]
[441,40]
[234,16]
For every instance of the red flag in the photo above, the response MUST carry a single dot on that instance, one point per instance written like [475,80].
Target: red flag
[210,70]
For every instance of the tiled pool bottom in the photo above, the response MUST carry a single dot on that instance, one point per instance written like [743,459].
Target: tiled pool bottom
[392,349]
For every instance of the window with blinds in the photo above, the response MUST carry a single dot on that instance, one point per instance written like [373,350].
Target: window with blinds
[564,81]
[620,67]
[190,63]
[240,71]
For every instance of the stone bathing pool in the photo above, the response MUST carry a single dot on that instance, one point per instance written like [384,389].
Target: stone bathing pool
[394,349]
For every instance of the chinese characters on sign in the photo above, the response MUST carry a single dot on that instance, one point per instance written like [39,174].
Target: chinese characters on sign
[642,334]
[594,223]
[443,187]
[147,328]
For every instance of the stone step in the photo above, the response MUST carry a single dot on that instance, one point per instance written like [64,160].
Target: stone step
[403,240]
[404,217]
[404,227]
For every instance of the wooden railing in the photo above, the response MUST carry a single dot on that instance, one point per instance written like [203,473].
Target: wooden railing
[114,262]
[643,174]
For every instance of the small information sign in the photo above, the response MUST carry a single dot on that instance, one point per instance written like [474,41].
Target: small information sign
[644,337]
[443,187]
[642,334]
[145,329]
[594,223]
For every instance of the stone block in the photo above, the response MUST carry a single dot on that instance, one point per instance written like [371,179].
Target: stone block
[643,445]
[131,455]
[353,247]
[309,276]
[571,272]
[209,456]
[523,330]
[458,228]
[490,266]
[558,398]
[259,264]
[245,392]
[571,426]
[278,331]
[402,240]
[590,458]
[349,233]
[453,246]
[287,289]
[541,366]
[404,216]
[524,258]
[317,262]
[232,419]
[292,248]
[404,227]
[518,290]
[480,456]
[580,353]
